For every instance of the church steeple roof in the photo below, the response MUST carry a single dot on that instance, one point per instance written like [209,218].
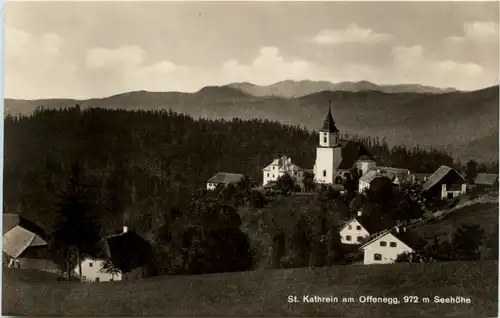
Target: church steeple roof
[329,123]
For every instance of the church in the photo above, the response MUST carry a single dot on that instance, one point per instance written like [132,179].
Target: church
[336,159]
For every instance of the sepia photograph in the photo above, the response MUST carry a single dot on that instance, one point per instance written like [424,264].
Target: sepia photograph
[250,158]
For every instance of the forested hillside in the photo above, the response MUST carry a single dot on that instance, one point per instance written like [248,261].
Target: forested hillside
[153,160]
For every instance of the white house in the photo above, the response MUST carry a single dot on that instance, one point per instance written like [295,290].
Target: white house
[335,159]
[385,247]
[279,167]
[359,228]
[92,271]
[223,178]
[127,251]
[366,179]
[445,183]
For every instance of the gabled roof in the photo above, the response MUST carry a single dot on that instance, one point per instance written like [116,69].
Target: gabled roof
[329,123]
[226,178]
[369,176]
[126,251]
[407,237]
[19,234]
[438,175]
[486,179]
[370,224]
[351,152]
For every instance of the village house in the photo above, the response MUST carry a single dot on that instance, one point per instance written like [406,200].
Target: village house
[25,244]
[359,228]
[336,159]
[384,247]
[486,180]
[279,167]
[127,251]
[445,183]
[223,178]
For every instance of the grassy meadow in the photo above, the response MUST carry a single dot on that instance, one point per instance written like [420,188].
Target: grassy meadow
[264,292]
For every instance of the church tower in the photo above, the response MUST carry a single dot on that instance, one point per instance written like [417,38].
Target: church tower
[328,152]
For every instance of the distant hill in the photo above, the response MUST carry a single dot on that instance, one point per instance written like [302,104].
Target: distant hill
[293,89]
[463,122]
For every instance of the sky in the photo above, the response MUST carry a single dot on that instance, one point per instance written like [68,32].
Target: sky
[98,49]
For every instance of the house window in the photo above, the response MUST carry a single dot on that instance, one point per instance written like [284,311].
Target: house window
[90,264]
[97,279]
[393,244]
[358,228]
[348,238]
[450,195]
[268,175]
[377,257]
[349,227]
[360,238]
[383,243]
[324,173]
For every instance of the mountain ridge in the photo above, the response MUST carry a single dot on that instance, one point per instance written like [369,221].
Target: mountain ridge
[458,121]
[294,89]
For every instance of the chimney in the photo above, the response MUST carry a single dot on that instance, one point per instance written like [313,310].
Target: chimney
[290,160]
[397,229]
[360,213]
[125,229]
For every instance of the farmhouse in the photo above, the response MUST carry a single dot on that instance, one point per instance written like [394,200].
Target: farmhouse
[279,167]
[385,247]
[335,159]
[127,251]
[25,244]
[223,178]
[356,230]
[486,180]
[445,183]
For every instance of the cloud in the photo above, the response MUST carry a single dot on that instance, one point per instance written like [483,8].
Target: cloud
[411,65]
[486,32]
[352,34]
[269,67]
[34,62]
[120,57]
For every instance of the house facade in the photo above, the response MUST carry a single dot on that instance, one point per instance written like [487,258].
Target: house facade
[385,247]
[223,178]
[361,227]
[336,159]
[92,271]
[279,167]
[445,183]
[353,232]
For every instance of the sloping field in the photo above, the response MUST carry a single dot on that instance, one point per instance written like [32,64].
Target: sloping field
[265,293]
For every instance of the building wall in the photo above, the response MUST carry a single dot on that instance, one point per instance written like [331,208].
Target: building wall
[211,186]
[362,186]
[354,230]
[388,253]
[327,159]
[454,193]
[90,272]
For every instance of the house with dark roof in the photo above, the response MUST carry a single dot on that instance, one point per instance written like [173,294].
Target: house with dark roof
[486,180]
[128,252]
[335,159]
[25,244]
[359,228]
[223,178]
[445,183]
[279,167]
[385,247]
